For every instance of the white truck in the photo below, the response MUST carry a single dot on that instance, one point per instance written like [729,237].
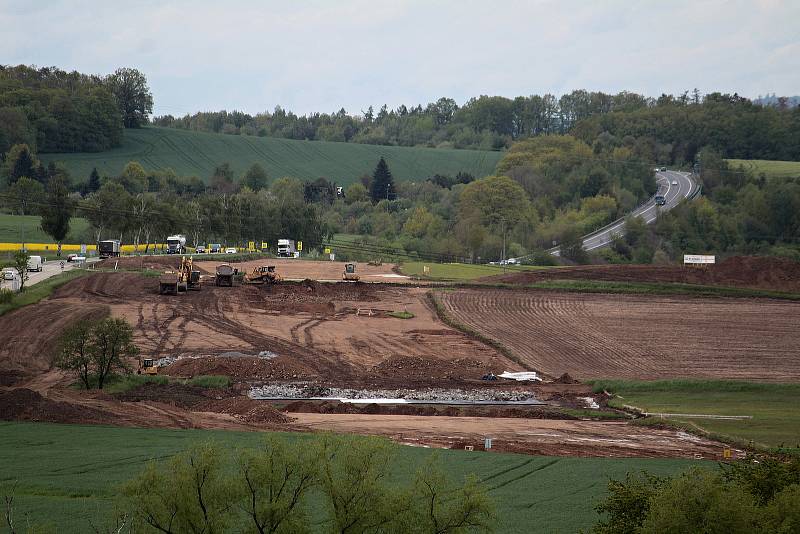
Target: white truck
[287,249]
[35,263]
[110,248]
[176,244]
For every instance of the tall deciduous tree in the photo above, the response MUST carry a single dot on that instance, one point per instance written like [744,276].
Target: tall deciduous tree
[57,210]
[382,185]
[25,196]
[134,99]
[255,178]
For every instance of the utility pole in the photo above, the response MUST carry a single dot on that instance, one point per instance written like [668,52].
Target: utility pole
[503,261]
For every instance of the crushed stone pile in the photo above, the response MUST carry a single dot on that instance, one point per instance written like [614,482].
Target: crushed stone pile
[304,391]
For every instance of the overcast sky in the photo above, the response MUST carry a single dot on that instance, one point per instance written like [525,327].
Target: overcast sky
[323,55]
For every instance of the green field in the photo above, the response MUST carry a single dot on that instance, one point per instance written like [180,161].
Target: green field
[191,153]
[68,473]
[35,293]
[15,228]
[775,422]
[773,169]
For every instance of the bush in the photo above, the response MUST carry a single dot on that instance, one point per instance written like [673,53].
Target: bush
[210,381]
[6,296]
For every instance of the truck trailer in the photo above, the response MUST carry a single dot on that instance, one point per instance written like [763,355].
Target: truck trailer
[109,248]
[287,248]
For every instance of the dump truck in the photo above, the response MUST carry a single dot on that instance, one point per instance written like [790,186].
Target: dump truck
[349,274]
[174,282]
[176,244]
[225,275]
[110,248]
[263,274]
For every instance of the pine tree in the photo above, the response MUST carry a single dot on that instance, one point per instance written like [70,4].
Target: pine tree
[94,181]
[382,185]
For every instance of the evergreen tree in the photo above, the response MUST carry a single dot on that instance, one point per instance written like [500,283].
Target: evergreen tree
[94,181]
[382,185]
[20,162]
[57,210]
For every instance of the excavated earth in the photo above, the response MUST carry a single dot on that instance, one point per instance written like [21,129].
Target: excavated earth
[754,272]
[328,334]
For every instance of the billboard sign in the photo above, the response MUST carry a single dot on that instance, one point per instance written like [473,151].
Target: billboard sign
[698,258]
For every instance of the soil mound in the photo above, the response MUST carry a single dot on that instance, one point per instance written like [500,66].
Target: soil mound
[566,379]
[110,287]
[754,272]
[241,368]
[179,395]
[27,405]
[415,367]
[244,408]
[334,407]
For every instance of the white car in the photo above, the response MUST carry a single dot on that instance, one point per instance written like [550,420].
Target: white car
[10,273]
[674,182]
[230,250]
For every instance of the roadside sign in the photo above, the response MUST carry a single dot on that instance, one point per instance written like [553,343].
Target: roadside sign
[264,245]
[487,443]
[727,454]
[327,250]
[426,269]
[83,249]
[333,256]
[698,258]
[299,245]
[251,246]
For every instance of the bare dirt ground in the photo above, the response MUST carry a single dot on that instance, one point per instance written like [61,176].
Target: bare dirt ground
[320,333]
[755,272]
[541,436]
[632,336]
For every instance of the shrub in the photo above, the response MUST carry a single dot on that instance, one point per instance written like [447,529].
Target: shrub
[6,296]
[210,381]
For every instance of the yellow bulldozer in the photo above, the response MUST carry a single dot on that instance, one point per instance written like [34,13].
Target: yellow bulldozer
[174,282]
[147,366]
[349,274]
[263,274]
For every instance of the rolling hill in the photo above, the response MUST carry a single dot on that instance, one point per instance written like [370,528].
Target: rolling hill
[191,153]
[771,168]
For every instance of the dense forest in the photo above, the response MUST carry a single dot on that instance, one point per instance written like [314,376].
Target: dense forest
[671,129]
[51,110]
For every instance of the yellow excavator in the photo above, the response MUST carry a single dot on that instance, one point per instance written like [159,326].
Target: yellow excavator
[174,282]
[349,274]
[263,274]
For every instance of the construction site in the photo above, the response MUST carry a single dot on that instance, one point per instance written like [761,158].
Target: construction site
[307,349]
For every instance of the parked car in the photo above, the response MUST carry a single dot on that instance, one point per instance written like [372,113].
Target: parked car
[230,250]
[200,249]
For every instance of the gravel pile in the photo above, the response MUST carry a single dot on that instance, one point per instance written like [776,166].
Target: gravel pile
[305,391]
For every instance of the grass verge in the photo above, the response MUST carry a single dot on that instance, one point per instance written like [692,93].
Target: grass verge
[210,381]
[458,271]
[773,407]
[402,314]
[35,293]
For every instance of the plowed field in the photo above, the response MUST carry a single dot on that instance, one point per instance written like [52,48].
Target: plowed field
[631,336]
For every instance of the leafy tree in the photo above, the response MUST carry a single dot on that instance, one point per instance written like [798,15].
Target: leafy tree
[222,179]
[355,193]
[276,483]
[75,353]
[571,246]
[382,185]
[57,210]
[133,178]
[133,96]
[25,196]
[255,178]
[497,201]
[107,209]
[21,265]
[627,504]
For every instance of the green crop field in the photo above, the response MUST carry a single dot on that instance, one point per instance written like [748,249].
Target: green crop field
[775,418]
[66,474]
[459,271]
[773,169]
[16,228]
[191,153]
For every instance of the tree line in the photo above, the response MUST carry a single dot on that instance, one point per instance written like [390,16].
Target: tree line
[52,110]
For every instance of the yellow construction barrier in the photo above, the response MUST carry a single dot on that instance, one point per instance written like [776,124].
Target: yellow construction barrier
[53,247]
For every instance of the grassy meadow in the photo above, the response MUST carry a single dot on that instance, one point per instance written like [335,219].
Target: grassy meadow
[771,168]
[15,228]
[775,418]
[66,474]
[191,153]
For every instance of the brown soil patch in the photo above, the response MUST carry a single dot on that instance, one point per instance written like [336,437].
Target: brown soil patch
[633,336]
[755,272]
[244,408]
[23,404]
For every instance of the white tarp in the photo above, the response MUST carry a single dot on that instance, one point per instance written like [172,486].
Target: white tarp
[521,377]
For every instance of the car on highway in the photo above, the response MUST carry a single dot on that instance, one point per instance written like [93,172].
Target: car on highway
[9,273]
[214,248]
[230,250]
[674,182]
[200,249]
[663,169]
[71,257]
[660,200]
[35,263]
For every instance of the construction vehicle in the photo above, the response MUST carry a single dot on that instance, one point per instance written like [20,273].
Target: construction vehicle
[110,248]
[147,366]
[174,282]
[176,244]
[263,274]
[225,274]
[349,274]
